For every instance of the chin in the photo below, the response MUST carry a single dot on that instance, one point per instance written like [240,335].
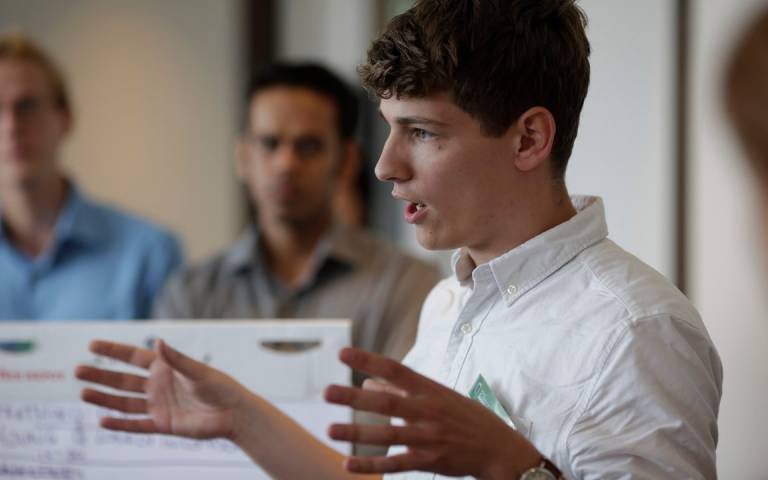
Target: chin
[17,176]
[297,219]
[430,241]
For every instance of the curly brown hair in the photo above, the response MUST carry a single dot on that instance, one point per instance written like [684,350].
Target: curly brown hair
[497,59]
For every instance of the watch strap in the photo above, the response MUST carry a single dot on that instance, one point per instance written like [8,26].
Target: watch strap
[547,465]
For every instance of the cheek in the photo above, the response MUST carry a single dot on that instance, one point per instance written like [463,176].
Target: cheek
[45,134]
[255,176]
[322,175]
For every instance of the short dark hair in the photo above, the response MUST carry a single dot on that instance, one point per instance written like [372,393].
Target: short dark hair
[746,92]
[17,46]
[496,58]
[312,77]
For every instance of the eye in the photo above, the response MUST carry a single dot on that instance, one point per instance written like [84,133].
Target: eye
[27,107]
[308,146]
[268,143]
[421,134]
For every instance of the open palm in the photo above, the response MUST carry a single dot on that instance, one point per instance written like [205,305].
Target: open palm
[179,396]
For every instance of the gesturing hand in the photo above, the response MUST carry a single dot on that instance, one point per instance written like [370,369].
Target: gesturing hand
[444,432]
[181,396]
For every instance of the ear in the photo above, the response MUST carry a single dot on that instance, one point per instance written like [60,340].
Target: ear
[536,134]
[66,122]
[349,166]
[241,159]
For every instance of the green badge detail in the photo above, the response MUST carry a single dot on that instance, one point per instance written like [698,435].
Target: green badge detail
[482,392]
[17,346]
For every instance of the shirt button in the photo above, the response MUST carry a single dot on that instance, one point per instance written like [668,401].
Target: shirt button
[511,290]
[466,328]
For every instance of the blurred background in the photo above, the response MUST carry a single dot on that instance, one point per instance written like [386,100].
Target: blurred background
[157,87]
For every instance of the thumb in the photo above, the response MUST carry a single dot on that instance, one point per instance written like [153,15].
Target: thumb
[183,364]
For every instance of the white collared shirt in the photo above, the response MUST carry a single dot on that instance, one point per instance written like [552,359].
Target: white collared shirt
[598,359]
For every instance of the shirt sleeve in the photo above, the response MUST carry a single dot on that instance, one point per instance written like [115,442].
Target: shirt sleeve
[652,412]
[174,300]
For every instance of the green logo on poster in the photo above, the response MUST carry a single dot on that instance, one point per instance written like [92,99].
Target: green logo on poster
[17,346]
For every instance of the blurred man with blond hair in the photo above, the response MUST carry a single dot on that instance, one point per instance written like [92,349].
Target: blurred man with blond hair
[62,256]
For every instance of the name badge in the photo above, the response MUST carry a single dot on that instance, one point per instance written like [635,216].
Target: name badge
[482,393]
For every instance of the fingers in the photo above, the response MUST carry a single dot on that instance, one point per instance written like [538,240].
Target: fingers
[375,385]
[185,365]
[381,434]
[395,463]
[393,372]
[140,357]
[376,402]
[128,425]
[118,380]
[114,402]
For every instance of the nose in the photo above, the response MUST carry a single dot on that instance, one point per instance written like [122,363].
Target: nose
[393,163]
[286,158]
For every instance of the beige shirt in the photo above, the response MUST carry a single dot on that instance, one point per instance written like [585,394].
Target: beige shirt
[354,275]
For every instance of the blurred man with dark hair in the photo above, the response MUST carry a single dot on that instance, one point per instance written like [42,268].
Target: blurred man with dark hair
[298,261]
[63,256]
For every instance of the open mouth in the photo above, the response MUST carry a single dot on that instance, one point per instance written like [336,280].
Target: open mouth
[414,208]
[415,212]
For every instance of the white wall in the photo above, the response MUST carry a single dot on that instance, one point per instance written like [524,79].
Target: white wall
[156,94]
[336,32]
[625,148]
[727,281]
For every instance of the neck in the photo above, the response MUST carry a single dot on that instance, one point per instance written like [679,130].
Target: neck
[542,210]
[30,212]
[290,247]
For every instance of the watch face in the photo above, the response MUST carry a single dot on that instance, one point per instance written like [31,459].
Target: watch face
[538,473]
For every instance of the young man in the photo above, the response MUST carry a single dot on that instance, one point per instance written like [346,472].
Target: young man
[297,261]
[594,365]
[57,248]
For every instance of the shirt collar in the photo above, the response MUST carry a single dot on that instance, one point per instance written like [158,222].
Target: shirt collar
[342,244]
[523,267]
[73,222]
[338,244]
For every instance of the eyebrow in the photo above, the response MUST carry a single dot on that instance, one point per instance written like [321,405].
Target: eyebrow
[411,120]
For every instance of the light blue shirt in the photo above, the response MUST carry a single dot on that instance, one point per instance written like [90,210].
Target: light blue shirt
[103,265]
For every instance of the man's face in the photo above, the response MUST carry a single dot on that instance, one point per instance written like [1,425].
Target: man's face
[456,180]
[291,154]
[32,126]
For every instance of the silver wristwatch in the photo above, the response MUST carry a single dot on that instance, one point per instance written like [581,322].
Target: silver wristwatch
[546,470]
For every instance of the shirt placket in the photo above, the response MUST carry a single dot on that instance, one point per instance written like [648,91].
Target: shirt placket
[27,273]
[468,323]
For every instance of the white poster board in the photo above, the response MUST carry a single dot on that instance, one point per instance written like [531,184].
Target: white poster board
[47,433]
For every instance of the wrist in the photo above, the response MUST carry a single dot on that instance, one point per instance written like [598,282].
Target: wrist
[513,459]
[242,418]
